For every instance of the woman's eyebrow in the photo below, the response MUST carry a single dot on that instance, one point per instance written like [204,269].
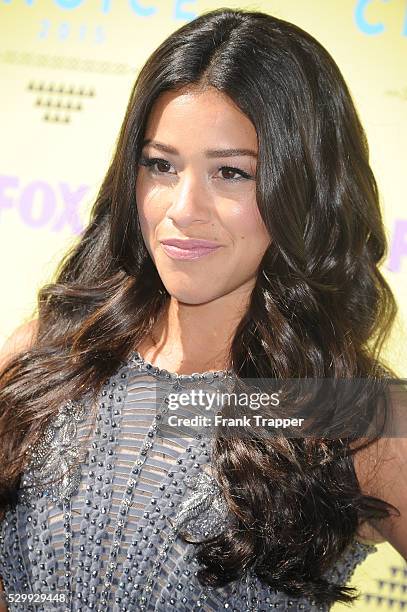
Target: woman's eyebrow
[209,153]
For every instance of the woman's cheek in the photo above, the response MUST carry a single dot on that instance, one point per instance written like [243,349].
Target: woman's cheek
[150,213]
[244,219]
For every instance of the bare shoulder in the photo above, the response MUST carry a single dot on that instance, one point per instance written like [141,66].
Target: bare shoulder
[21,339]
[381,469]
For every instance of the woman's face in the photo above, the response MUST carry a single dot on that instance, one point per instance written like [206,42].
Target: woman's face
[196,181]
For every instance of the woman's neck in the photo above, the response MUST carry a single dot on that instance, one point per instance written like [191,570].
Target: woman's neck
[191,338]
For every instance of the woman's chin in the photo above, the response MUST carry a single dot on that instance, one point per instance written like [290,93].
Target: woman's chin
[192,296]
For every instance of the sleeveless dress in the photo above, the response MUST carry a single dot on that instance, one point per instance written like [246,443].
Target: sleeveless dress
[106,536]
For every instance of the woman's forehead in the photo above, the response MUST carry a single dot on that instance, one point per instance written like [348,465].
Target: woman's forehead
[199,115]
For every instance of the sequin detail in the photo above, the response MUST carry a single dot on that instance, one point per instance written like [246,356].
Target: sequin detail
[204,513]
[54,468]
[162,374]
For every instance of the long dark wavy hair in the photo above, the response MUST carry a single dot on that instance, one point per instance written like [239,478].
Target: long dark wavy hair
[320,306]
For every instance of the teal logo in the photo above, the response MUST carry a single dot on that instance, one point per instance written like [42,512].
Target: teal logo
[181,9]
[92,32]
[368,24]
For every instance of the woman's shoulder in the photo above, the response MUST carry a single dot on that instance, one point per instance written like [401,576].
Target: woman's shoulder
[381,469]
[20,340]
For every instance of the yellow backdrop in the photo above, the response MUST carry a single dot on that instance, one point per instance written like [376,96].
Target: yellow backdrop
[67,68]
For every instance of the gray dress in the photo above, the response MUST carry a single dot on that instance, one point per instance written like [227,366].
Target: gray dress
[107,535]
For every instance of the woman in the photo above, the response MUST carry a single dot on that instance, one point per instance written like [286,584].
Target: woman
[237,235]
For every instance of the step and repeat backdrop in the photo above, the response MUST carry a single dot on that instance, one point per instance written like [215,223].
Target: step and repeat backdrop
[67,67]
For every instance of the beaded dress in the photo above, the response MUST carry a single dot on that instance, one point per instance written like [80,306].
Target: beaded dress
[107,535]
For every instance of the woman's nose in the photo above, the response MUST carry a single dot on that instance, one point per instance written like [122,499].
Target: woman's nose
[189,202]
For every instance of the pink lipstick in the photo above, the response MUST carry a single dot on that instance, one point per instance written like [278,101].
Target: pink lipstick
[188,249]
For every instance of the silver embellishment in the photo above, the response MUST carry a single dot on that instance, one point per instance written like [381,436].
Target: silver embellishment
[54,468]
[204,513]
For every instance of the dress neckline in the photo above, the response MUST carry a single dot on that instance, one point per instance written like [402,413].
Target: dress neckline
[163,374]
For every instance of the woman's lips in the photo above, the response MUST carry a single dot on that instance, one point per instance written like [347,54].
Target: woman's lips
[188,249]
[197,252]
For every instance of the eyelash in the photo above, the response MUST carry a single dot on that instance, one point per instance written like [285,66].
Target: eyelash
[150,162]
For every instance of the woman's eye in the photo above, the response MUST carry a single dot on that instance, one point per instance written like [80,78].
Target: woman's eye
[156,164]
[228,171]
